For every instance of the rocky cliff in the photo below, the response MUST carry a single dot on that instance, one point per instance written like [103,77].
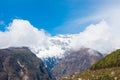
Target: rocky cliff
[21,64]
[76,61]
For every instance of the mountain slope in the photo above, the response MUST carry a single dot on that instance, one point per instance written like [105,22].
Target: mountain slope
[111,60]
[55,49]
[21,64]
[75,62]
[108,68]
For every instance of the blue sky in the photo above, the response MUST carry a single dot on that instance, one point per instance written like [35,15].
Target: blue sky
[54,16]
[96,23]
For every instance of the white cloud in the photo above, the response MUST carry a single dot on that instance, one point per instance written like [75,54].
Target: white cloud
[94,36]
[22,33]
[101,37]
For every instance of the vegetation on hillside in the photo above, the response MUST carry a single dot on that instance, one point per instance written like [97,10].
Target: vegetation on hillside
[108,68]
[111,60]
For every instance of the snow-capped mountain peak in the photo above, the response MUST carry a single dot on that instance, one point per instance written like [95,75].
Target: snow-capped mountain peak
[56,47]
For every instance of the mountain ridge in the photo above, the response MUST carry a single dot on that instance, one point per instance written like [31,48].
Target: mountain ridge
[21,64]
[76,61]
[107,68]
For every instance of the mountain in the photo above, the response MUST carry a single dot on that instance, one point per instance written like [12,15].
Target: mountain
[75,61]
[108,68]
[54,50]
[55,47]
[21,64]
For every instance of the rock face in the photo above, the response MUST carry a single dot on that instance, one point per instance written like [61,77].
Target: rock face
[75,62]
[50,62]
[107,68]
[21,64]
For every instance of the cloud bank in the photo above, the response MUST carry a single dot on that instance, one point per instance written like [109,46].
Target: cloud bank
[22,33]
[98,37]
[102,32]
[103,36]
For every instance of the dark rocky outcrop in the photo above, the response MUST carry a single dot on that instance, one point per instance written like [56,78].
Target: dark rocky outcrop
[21,64]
